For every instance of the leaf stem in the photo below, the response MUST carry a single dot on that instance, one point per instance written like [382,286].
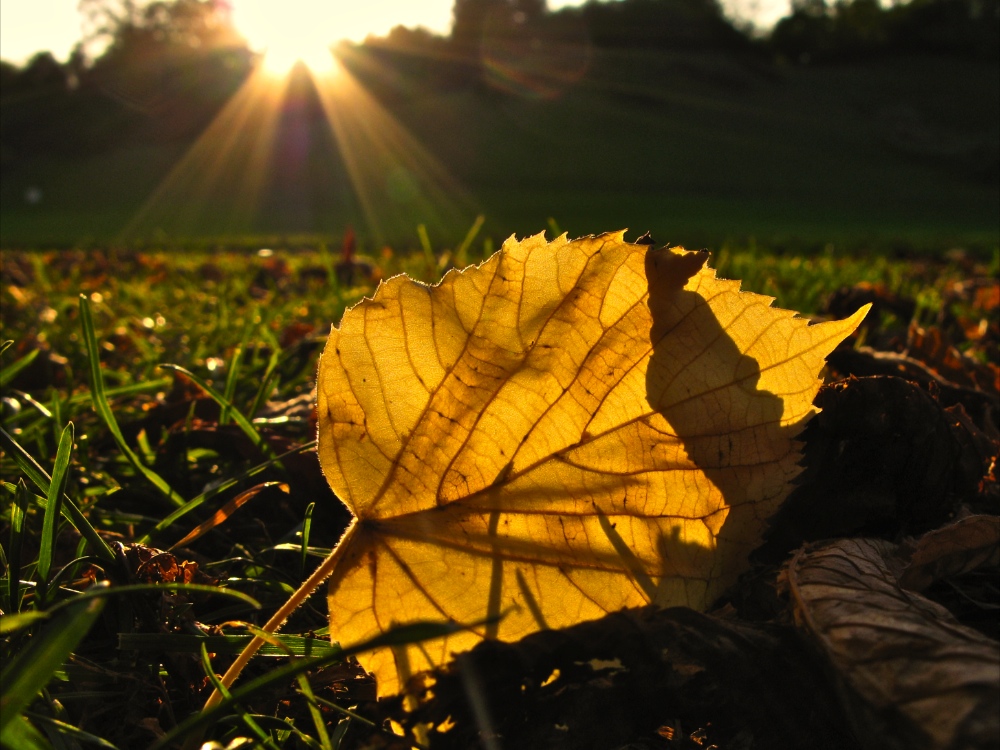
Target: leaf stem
[304,591]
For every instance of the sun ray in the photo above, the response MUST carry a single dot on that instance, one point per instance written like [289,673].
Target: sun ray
[225,171]
[397,182]
[306,151]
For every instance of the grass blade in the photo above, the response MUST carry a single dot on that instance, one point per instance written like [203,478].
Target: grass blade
[8,373]
[252,725]
[13,623]
[237,416]
[223,513]
[235,365]
[70,731]
[282,646]
[306,529]
[124,390]
[40,478]
[99,591]
[69,570]
[50,523]
[220,488]
[22,735]
[425,245]
[18,511]
[103,409]
[32,668]
[314,712]
[398,635]
[266,382]
[462,252]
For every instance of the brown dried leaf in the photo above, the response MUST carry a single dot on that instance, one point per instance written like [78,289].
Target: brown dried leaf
[145,564]
[165,568]
[931,347]
[913,677]
[882,459]
[952,550]
[865,361]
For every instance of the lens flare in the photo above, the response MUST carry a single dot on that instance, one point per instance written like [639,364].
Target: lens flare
[397,182]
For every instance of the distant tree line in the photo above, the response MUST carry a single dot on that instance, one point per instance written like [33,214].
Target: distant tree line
[165,70]
[818,31]
[166,67]
[481,27]
[815,31]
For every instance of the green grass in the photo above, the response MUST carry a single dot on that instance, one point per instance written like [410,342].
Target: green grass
[105,450]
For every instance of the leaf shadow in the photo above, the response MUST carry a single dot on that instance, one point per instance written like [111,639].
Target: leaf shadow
[706,389]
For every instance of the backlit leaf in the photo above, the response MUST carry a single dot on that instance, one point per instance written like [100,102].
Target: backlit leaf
[568,429]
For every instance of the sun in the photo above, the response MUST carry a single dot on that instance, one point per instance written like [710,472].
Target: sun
[279,59]
[290,32]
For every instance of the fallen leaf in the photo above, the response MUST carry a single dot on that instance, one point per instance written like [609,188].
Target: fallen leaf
[566,430]
[952,550]
[866,362]
[883,458]
[931,347]
[913,677]
[165,568]
[149,565]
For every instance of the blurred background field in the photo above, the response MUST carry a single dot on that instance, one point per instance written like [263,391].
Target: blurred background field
[851,124]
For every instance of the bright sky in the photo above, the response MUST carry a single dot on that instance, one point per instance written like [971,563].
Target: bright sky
[29,26]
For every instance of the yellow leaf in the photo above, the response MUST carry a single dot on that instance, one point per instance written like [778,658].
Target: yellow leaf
[568,429]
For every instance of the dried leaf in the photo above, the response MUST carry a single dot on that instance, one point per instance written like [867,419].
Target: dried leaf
[864,362]
[952,550]
[883,459]
[914,677]
[566,430]
[165,568]
[948,364]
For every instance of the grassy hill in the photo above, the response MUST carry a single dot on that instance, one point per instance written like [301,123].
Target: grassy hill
[699,148]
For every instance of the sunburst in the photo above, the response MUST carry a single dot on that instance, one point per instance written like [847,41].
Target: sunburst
[290,32]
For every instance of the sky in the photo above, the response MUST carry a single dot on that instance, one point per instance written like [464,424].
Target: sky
[30,26]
